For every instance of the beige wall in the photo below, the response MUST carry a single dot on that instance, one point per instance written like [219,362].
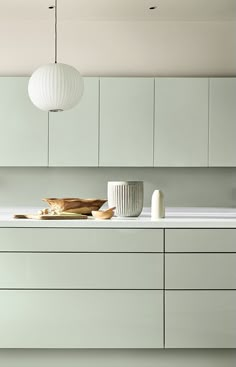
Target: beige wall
[122,48]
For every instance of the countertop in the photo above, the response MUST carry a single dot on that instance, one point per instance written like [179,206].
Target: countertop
[175,218]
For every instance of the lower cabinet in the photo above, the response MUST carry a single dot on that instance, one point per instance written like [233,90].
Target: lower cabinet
[200,288]
[115,288]
[81,271]
[81,319]
[200,271]
[102,288]
[200,319]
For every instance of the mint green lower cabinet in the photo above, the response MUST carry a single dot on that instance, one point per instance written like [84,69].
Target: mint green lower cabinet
[200,240]
[81,240]
[181,122]
[126,122]
[200,319]
[23,127]
[200,271]
[73,134]
[222,126]
[81,319]
[81,270]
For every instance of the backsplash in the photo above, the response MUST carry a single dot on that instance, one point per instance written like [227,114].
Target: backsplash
[181,186]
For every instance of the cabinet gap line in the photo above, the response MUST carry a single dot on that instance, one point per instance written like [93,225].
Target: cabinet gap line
[77,252]
[99,118]
[154,127]
[48,140]
[83,289]
[208,148]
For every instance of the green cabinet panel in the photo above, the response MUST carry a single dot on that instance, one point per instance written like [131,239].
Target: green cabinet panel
[73,134]
[200,319]
[126,122]
[23,127]
[81,319]
[81,270]
[222,122]
[181,122]
[81,239]
[114,125]
[200,240]
[200,271]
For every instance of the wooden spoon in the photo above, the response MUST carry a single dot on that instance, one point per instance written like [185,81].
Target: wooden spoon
[103,214]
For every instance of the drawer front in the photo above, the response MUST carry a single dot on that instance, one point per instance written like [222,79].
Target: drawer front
[81,240]
[200,271]
[81,270]
[200,240]
[200,319]
[81,319]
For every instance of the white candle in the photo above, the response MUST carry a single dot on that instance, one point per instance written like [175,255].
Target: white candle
[157,207]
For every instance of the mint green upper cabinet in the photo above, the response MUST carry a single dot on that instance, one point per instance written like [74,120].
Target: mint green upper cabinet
[181,122]
[23,127]
[222,124]
[73,134]
[126,122]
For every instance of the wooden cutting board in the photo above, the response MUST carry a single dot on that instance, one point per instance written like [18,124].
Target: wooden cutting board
[50,217]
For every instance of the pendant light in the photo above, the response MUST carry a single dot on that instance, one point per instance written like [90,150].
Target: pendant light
[55,87]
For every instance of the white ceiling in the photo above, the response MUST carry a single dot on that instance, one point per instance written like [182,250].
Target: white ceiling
[115,10]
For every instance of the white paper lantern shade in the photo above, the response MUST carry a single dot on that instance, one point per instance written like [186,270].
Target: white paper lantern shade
[55,87]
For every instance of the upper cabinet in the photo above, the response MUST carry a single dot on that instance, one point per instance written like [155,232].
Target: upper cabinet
[123,122]
[126,122]
[23,127]
[181,122]
[222,123]
[73,134]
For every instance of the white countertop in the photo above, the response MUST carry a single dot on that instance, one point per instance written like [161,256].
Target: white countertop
[175,218]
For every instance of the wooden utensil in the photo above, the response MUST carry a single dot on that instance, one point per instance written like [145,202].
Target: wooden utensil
[50,216]
[103,214]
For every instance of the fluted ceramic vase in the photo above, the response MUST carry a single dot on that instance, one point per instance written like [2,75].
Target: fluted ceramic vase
[127,197]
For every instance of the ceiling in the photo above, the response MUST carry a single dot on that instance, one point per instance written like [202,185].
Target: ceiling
[119,10]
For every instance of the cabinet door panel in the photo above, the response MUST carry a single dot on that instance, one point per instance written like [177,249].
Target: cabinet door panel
[200,240]
[81,240]
[81,271]
[126,122]
[222,124]
[200,319]
[73,134]
[200,271]
[23,127]
[181,122]
[81,319]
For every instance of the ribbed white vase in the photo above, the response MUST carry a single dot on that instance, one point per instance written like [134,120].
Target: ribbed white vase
[55,87]
[126,196]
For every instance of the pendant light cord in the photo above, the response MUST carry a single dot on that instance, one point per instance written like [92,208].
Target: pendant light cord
[55,31]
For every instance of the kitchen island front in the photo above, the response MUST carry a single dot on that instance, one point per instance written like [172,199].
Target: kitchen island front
[119,284]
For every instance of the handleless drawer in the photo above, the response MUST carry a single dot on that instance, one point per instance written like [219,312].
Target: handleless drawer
[81,240]
[200,271]
[81,319]
[81,271]
[200,240]
[200,319]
